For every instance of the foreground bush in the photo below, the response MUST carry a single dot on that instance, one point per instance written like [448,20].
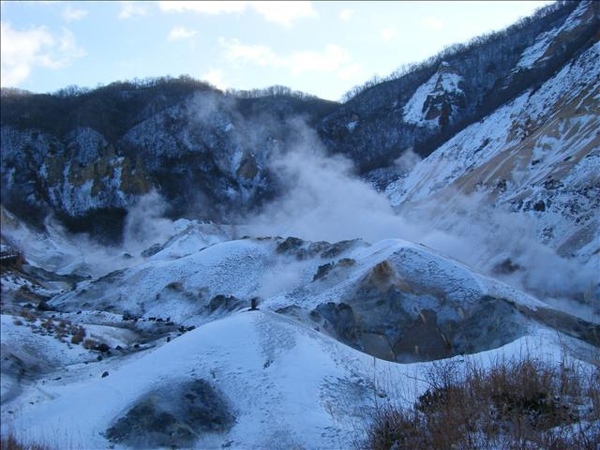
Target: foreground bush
[10,442]
[521,404]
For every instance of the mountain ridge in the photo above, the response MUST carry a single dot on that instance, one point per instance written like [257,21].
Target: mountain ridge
[230,138]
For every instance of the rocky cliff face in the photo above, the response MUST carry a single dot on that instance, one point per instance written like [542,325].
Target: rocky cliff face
[437,103]
[207,154]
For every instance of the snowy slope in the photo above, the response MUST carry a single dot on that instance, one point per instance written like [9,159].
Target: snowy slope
[425,107]
[259,363]
[287,386]
[575,111]
[540,51]
[526,177]
[169,347]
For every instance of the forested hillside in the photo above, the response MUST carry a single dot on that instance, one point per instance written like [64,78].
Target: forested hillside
[85,156]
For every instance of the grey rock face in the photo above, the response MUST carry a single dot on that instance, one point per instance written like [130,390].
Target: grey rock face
[173,416]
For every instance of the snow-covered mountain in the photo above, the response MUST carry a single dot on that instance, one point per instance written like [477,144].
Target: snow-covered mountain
[280,267]
[424,105]
[206,154]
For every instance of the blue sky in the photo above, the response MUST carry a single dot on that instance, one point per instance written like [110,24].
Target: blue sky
[321,48]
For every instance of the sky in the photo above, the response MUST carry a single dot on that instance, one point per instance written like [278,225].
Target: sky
[323,48]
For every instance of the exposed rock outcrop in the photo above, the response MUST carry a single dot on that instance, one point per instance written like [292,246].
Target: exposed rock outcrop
[173,416]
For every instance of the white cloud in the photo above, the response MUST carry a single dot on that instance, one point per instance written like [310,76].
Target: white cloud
[71,14]
[23,51]
[203,7]
[280,12]
[284,13]
[350,72]
[68,48]
[387,34]
[181,33]
[132,9]
[332,59]
[346,15]
[257,54]
[432,22]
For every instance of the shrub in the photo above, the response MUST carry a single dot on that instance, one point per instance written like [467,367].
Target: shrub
[90,344]
[522,404]
[11,442]
[78,333]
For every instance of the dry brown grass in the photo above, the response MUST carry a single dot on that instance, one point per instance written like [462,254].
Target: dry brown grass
[11,442]
[520,404]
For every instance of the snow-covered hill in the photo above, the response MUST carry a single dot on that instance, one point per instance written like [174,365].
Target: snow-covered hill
[263,382]
[169,352]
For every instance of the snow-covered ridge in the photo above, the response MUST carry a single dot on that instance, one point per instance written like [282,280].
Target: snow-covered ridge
[538,52]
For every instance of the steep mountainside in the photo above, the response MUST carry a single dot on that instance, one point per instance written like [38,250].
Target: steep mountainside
[434,100]
[536,159]
[206,152]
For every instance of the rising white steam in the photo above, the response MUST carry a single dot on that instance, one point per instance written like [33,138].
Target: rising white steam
[324,200]
[145,224]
